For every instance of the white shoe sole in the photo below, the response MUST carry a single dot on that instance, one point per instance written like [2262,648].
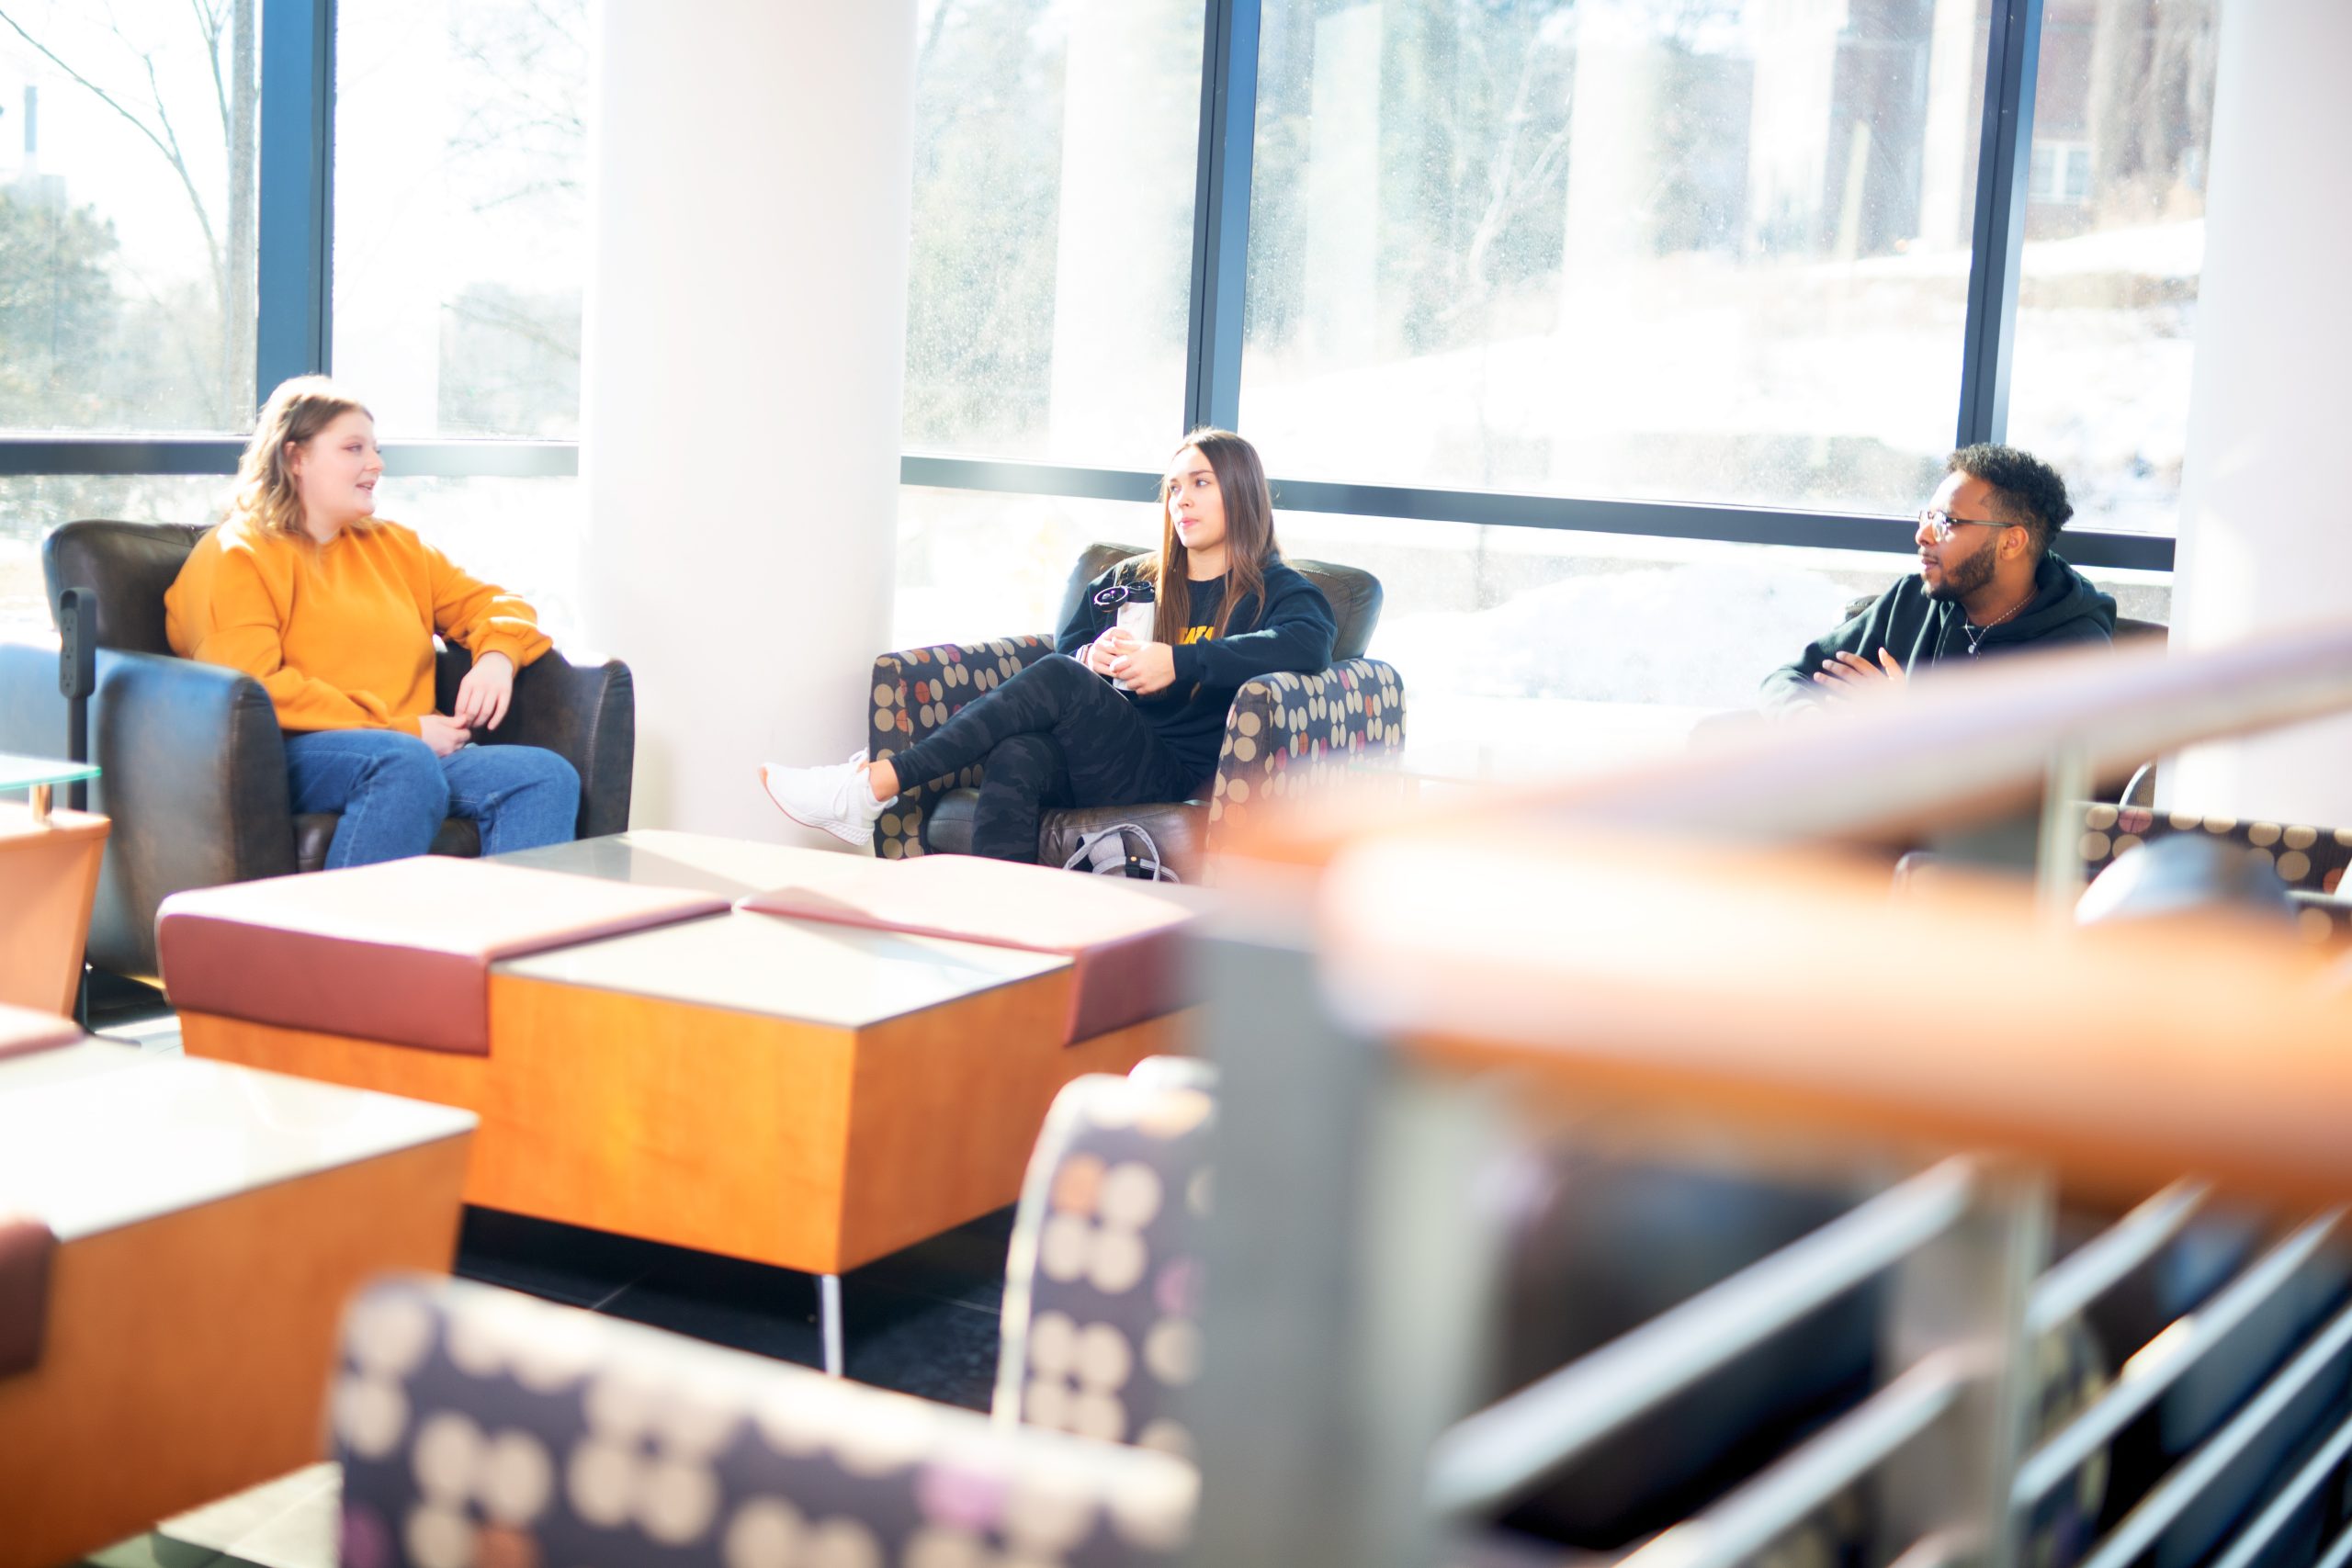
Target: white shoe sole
[846,836]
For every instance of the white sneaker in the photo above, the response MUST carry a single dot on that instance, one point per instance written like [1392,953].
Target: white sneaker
[836,797]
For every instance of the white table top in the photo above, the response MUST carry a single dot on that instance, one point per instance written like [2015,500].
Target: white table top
[812,971]
[99,1135]
[704,863]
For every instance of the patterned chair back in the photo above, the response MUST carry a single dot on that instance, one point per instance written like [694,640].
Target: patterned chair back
[2311,861]
[1103,1282]
[476,1426]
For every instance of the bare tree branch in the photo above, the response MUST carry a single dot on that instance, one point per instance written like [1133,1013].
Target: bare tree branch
[103,96]
[484,313]
[209,22]
[931,38]
[1508,189]
[188,180]
[170,152]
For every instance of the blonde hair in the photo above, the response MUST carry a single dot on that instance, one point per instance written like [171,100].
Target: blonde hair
[298,411]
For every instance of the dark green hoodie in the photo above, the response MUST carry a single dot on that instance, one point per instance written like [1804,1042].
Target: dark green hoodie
[2066,608]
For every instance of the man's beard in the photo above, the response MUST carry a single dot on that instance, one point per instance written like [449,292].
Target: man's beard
[1964,577]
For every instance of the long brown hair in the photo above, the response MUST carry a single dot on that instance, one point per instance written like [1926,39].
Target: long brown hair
[1249,537]
[296,412]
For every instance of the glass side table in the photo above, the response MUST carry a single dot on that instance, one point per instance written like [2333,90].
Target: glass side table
[40,775]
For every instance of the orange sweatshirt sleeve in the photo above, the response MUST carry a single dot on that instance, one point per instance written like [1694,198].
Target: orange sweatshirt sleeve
[483,619]
[233,619]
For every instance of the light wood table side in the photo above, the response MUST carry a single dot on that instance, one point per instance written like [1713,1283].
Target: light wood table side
[809,1146]
[211,1223]
[48,879]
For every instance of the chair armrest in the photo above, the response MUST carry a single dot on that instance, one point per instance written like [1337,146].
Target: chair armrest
[466,1414]
[1287,733]
[916,690]
[584,712]
[193,775]
[1163,1122]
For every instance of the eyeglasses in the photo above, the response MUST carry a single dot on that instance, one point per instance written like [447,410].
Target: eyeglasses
[1122,592]
[1939,525]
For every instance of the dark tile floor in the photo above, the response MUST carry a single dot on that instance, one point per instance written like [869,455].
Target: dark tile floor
[922,1322]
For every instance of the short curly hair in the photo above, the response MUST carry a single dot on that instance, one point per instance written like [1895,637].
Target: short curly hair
[2028,490]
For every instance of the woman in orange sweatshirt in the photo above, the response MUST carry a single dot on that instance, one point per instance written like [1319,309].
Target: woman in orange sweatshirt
[333,612]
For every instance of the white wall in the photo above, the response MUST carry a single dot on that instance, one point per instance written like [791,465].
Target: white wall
[2265,540]
[745,341]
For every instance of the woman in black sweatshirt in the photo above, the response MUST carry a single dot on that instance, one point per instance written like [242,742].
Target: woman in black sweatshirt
[1225,610]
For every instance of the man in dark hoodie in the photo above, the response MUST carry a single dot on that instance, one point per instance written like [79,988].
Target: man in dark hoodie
[1987,585]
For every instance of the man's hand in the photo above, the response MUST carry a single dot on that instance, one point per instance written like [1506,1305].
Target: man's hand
[443,735]
[1849,673]
[484,694]
[1145,666]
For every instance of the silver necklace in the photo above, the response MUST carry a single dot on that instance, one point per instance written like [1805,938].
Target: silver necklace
[1975,634]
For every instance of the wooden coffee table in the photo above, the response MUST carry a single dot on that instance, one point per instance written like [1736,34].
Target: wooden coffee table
[800,1093]
[210,1223]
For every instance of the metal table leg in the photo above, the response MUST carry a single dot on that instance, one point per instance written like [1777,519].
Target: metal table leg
[829,1321]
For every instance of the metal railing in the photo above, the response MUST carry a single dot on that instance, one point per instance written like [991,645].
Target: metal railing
[1405,994]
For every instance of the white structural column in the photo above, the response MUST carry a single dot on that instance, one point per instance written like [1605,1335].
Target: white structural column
[2264,539]
[744,349]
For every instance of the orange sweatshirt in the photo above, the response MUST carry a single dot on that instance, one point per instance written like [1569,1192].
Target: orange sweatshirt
[341,635]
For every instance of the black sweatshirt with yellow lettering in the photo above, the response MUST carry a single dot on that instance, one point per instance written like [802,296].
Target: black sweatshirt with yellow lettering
[1293,629]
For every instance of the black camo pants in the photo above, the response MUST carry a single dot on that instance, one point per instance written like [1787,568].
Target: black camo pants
[1054,735]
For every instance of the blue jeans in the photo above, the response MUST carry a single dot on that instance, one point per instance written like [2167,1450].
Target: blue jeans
[393,792]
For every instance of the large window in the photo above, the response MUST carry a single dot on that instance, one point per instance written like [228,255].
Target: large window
[146,199]
[460,231]
[1051,263]
[30,505]
[1750,266]
[1546,649]
[1563,316]
[1685,251]
[127,214]
[1525,649]
[974,566]
[2115,242]
[528,536]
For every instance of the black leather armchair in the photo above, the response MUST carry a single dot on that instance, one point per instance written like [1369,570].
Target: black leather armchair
[193,762]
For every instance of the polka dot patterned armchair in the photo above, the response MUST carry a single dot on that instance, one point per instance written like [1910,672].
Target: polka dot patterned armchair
[1287,733]
[480,1428]
[1102,1283]
[2309,860]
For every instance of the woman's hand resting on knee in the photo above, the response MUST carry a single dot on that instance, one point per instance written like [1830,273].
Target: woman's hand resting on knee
[484,694]
[443,735]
